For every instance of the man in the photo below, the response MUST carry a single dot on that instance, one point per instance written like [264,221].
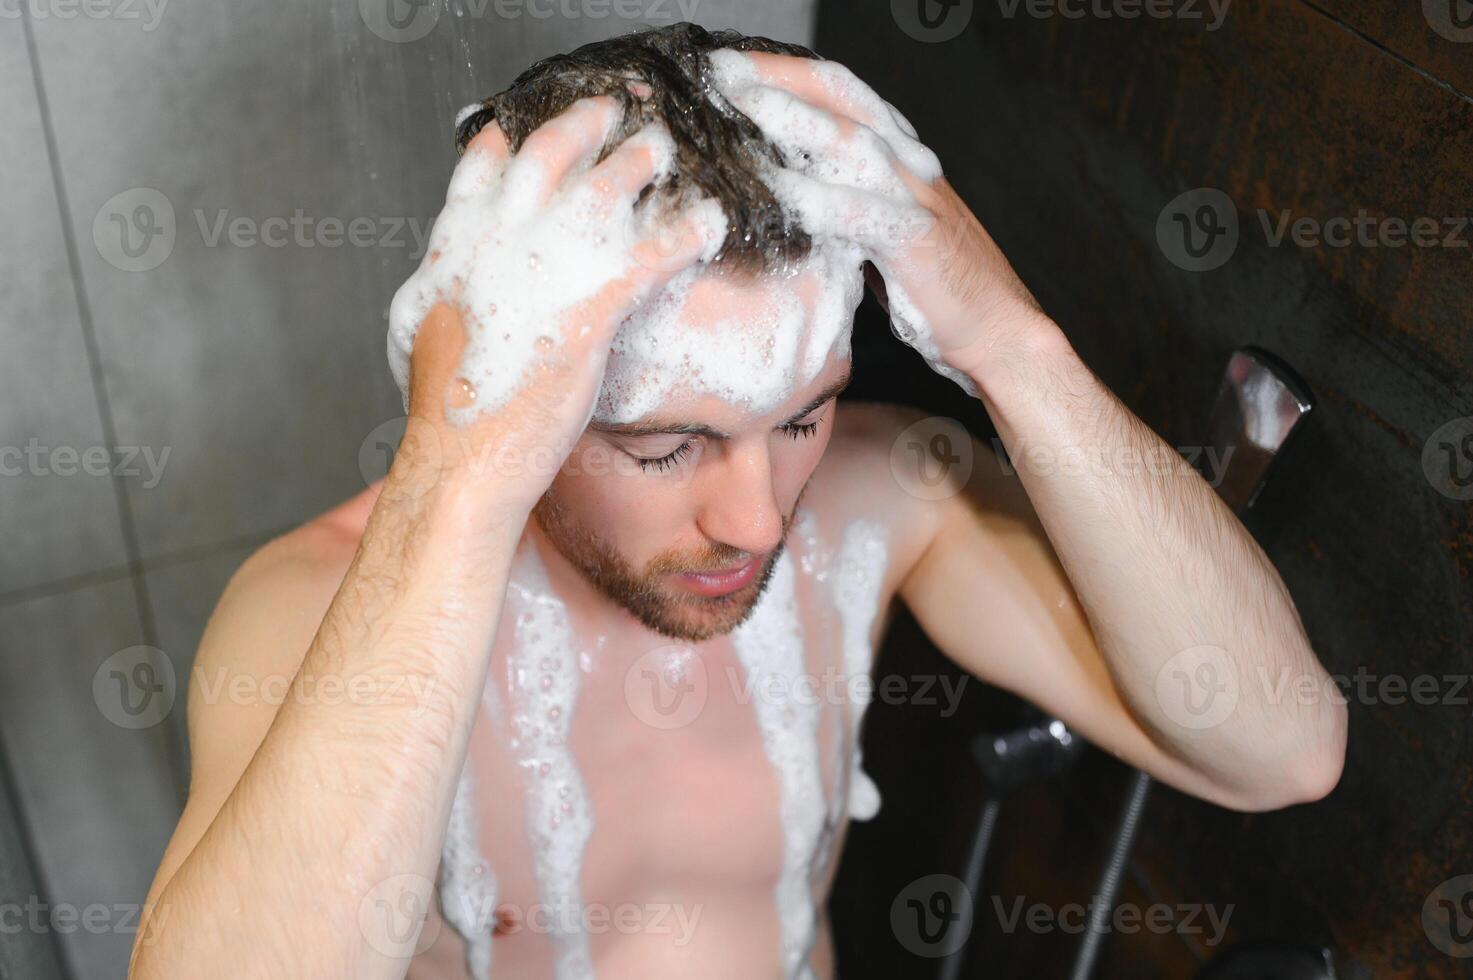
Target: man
[630,536]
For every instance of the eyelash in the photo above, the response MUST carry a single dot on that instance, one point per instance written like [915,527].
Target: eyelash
[793,430]
[663,463]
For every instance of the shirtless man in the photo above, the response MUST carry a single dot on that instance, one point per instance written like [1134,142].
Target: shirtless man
[585,635]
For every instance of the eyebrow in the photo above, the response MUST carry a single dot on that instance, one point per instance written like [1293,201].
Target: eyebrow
[635,429]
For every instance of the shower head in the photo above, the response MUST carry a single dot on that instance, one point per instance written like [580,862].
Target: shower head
[1259,406]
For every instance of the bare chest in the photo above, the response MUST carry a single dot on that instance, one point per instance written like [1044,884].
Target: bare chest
[605,782]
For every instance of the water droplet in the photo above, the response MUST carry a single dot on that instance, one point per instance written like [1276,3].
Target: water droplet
[544,343]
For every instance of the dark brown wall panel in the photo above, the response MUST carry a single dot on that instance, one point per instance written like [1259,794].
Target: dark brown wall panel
[1069,138]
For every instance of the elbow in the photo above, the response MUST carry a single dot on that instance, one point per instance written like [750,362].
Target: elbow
[1307,772]
[1323,762]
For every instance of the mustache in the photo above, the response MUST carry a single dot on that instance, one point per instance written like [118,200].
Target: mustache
[717,555]
[712,558]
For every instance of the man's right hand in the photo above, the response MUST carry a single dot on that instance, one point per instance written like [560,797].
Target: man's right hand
[536,260]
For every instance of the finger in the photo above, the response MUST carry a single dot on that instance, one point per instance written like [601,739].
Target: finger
[821,144]
[481,167]
[569,141]
[490,141]
[667,246]
[659,250]
[828,85]
[881,224]
[646,158]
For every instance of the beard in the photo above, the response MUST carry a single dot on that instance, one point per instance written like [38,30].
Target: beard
[667,610]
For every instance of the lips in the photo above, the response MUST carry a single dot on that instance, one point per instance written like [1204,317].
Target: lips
[720,583]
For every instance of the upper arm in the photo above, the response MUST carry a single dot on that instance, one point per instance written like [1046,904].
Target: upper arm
[992,595]
[251,650]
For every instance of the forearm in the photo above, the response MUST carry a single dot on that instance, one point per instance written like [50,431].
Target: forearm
[337,821]
[1180,598]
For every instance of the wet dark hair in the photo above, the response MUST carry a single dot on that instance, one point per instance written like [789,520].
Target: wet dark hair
[719,152]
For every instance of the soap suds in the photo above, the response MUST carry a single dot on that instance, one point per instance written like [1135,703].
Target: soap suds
[467,883]
[515,268]
[543,668]
[858,578]
[750,347]
[770,644]
[845,188]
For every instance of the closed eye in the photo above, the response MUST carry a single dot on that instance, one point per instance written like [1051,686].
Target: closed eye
[800,430]
[662,463]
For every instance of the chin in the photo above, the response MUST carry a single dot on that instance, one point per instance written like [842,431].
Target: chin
[697,618]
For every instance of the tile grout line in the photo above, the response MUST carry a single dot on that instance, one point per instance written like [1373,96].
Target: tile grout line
[174,750]
[26,837]
[1386,50]
[112,573]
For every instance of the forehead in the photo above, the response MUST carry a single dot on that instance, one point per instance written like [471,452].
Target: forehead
[750,343]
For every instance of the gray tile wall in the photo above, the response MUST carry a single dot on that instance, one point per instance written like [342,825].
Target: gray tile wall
[174,389]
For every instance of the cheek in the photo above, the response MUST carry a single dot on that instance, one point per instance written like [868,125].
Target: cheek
[793,462]
[634,511]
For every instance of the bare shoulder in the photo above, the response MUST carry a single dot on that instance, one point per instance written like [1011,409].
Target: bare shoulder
[270,610]
[863,476]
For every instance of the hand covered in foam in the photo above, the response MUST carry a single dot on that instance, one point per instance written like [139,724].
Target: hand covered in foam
[855,171]
[501,337]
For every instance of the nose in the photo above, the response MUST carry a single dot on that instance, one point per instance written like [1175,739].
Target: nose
[738,504]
